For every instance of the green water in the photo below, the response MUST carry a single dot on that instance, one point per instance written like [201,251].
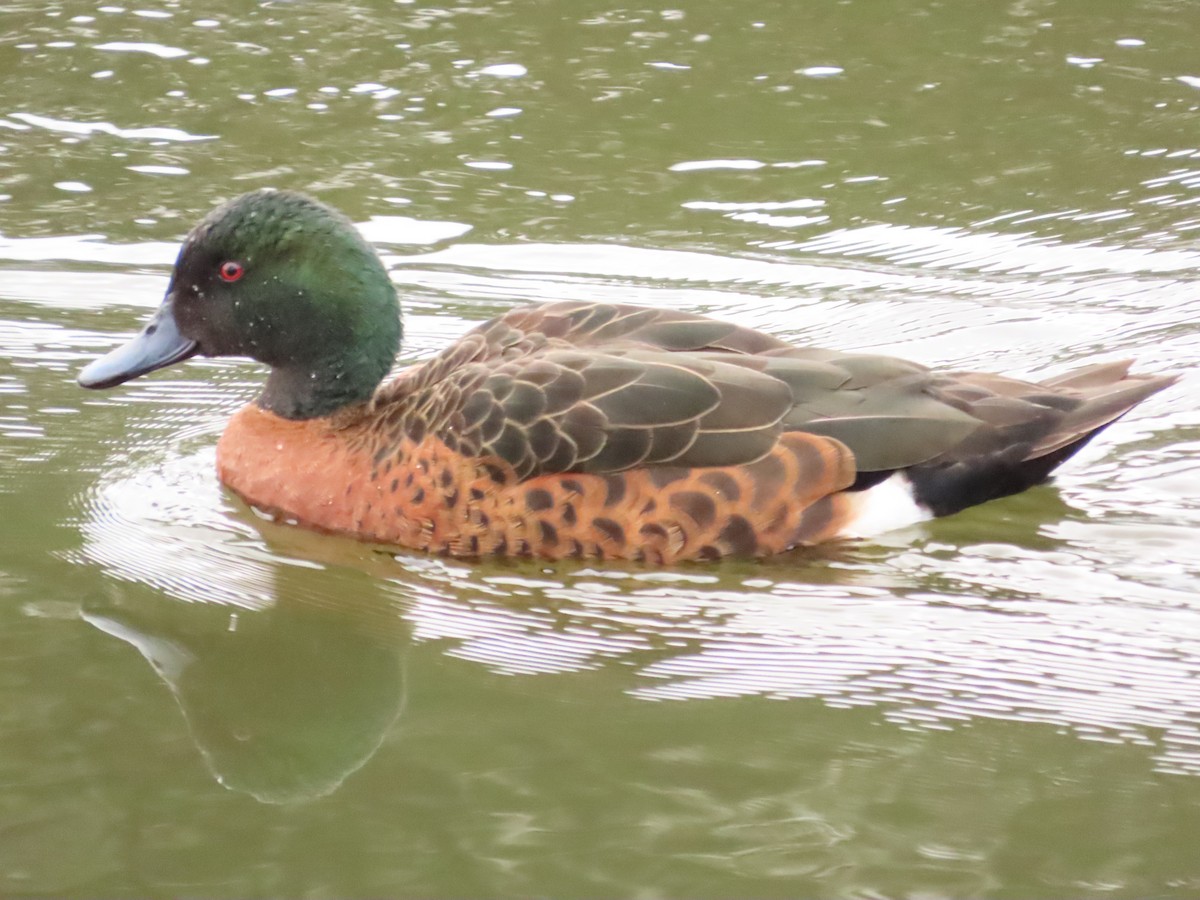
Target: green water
[1006,704]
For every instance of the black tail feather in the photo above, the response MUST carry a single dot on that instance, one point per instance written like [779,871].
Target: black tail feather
[946,488]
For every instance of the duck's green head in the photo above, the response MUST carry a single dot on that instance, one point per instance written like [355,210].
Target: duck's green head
[281,278]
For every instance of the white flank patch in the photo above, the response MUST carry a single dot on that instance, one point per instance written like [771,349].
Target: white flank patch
[885,507]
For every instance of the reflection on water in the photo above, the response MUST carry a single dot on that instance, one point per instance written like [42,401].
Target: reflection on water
[283,705]
[285,690]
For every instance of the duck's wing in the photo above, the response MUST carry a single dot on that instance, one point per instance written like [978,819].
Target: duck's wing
[555,407]
[597,388]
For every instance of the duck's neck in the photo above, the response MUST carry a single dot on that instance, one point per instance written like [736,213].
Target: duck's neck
[310,389]
[310,392]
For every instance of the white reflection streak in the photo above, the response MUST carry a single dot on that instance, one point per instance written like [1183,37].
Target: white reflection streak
[162,51]
[87,128]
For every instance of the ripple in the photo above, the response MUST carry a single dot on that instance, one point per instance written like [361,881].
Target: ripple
[67,126]
[504,70]
[405,230]
[703,165]
[764,206]
[159,170]
[821,71]
[933,247]
[166,524]
[86,248]
[162,51]
[94,248]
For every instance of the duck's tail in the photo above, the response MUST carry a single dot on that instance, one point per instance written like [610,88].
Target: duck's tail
[1006,459]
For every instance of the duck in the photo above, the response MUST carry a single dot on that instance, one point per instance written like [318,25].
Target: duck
[584,430]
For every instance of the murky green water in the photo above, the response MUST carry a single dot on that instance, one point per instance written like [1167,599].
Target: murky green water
[1006,704]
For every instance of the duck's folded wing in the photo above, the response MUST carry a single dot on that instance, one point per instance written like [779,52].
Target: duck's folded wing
[575,387]
[565,410]
[599,388]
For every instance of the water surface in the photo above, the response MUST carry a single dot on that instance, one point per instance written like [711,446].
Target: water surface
[194,701]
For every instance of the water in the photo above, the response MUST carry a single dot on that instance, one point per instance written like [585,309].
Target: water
[1003,704]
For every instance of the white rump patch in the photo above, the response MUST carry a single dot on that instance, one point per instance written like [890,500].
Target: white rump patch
[885,507]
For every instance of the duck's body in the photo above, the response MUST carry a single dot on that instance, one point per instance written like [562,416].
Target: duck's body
[533,435]
[427,497]
[577,429]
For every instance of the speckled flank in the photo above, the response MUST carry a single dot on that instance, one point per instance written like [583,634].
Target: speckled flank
[426,497]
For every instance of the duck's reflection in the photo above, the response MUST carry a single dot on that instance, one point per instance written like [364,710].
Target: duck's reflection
[283,703]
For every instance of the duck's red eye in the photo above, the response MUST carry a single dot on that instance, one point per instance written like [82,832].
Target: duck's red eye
[232,271]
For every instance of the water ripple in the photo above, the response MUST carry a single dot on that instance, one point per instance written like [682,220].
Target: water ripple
[971,249]
[67,126]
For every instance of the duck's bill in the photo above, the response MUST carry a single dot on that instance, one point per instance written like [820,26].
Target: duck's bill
[157,346]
